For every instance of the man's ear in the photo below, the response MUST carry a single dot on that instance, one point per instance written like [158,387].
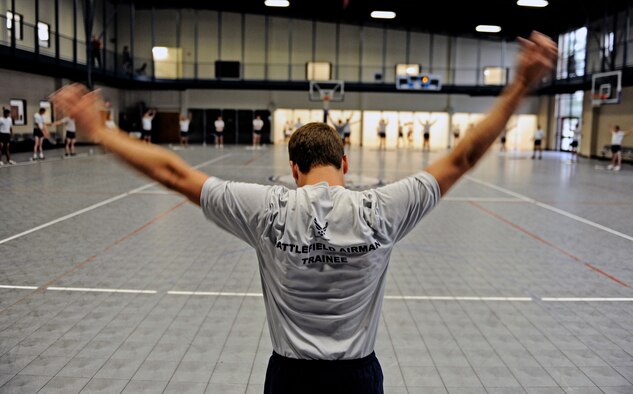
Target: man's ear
[345,164]
[295,171]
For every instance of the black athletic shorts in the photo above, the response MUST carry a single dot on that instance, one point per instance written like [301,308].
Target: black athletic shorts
[400,135]
[291,376]
[427,136]
[346,135]
[382,135]
[146,133]
[616,148]
[257,132]
[219,133]
[5,138]
[184,133]
[455,135]
[503,140]
[574,144]
[537,142]
[71,135]
[38,133]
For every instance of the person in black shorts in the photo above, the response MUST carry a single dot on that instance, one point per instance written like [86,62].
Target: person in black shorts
[382,134]
[426,134]
[148,116]
[184,129]
[40,131]
[6,130]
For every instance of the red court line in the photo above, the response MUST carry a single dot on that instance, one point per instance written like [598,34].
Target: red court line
[536,237]
[90,259]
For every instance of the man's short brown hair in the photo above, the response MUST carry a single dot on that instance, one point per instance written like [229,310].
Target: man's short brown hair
[315,144]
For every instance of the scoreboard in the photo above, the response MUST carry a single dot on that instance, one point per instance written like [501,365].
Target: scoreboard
[418,82]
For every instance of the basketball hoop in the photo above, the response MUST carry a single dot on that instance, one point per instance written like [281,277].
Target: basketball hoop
[326,101]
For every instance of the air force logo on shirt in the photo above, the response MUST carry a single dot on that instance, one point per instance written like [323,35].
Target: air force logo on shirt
[319,231]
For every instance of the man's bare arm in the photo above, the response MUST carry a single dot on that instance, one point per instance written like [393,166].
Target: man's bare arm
[537,57]
[157,163]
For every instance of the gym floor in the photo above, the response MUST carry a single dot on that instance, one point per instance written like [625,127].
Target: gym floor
[520,281]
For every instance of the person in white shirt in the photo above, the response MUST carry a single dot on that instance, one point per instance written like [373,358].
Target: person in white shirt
[575,142]
[539,134]
[71,135]
[40,131]
[382,133]
[258,125]
[148,116]
[6,131]
[219,132]
[184,129]
[323,250]
[617,136]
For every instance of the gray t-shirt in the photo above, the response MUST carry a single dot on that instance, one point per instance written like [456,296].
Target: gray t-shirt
[323,254]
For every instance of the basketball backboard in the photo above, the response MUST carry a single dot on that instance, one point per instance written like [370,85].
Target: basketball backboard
[606,88]
[327,91]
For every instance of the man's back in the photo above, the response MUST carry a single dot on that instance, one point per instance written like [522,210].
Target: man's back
[323,252]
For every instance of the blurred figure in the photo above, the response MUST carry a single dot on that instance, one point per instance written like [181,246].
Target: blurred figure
[184,129]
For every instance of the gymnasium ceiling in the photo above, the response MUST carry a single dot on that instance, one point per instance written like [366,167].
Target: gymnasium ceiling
[453,17]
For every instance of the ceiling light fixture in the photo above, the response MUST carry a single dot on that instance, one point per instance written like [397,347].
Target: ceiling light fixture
[488,29]
[533,3]
[383,14]
[277,3]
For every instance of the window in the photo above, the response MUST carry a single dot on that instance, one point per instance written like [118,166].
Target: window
[572,48]
[43,34]
[495,76]
[408,69]
[11,17]
[318,71]
[607,44]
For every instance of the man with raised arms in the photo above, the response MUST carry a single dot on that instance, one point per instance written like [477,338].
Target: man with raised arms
[323,317]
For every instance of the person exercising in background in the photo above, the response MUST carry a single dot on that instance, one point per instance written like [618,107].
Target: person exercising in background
[71,135]
[6,131]
[148,117]
[503,139]
[40,131]
[347,132]
[184,122]
[539,134]
[617,136]
[258,125]
[219,132]
[426,133]
[382,134]
[575,142]
[323,250]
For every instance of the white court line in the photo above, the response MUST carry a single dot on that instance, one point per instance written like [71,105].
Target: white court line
[92,290]
[215,293]
[18,287]
[99,204]
[551,208]
[481,199]
[457,298]
[387,297]
[589,299]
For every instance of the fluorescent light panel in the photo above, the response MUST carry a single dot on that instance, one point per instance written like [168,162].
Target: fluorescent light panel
[383,14]
[277,3]
[532,3]
[488,29]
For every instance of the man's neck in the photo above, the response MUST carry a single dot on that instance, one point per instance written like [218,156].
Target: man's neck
[329,174]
